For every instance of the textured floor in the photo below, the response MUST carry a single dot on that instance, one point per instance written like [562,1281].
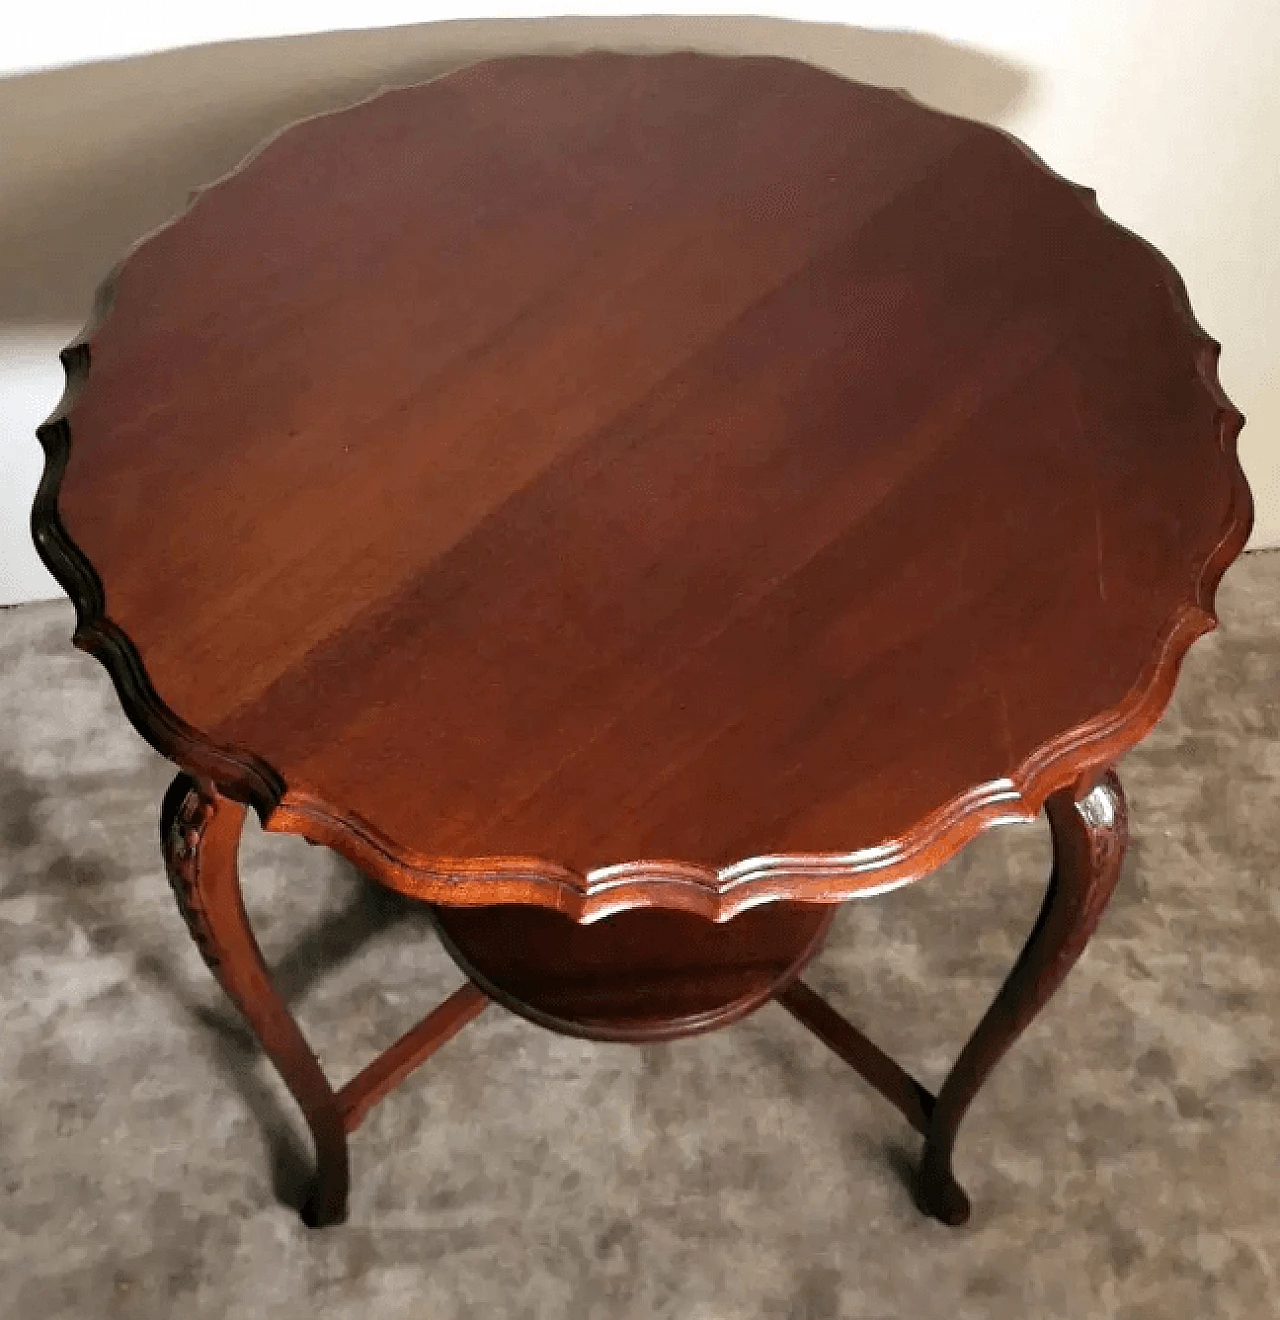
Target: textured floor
[1124,1161]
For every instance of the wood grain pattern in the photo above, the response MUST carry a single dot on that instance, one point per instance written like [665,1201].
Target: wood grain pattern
[642,481]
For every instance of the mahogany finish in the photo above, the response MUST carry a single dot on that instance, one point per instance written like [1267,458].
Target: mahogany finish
[1089,841]
[379,1078]
[621,481]
[600,494]
[639,975]
[200,834]
[912,1100]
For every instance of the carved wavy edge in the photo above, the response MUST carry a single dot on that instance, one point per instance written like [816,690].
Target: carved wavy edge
[1073,760]
[238,772]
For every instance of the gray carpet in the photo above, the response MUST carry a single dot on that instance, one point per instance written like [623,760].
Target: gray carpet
[1124,1161]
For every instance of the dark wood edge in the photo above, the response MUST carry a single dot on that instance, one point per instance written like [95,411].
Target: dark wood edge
[1074,757]
[238,773]
[671,1028]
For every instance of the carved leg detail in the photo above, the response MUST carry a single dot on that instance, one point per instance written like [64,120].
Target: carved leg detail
[1089,838]
[200,832]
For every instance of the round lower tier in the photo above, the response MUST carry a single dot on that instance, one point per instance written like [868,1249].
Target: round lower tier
[647,974]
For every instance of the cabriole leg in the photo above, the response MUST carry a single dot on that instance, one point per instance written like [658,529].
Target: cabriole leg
[200,832]
[1089,838]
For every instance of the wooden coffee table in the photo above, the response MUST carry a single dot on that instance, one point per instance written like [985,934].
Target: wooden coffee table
[634,505]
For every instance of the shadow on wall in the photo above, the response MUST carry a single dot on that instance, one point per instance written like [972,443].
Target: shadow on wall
[98,155]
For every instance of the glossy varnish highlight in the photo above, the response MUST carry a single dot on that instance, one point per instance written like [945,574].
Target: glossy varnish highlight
[622,481]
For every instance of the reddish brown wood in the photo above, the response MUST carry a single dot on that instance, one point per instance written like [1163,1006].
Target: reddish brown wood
[1089,840]
[375,1081]
[639,975]
[620,481]
[913,1101]
[200,832]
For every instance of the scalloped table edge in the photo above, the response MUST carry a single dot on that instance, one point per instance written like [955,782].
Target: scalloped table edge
[1072,760]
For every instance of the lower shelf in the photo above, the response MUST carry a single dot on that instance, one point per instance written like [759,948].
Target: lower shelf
[645,974]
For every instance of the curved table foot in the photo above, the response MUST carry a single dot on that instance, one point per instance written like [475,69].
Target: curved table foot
[1089,838]
[938,1194]
[200,833]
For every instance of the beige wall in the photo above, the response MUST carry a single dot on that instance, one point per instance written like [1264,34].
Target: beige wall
[1170,110]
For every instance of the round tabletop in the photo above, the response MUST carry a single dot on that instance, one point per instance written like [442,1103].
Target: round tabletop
[608,481]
